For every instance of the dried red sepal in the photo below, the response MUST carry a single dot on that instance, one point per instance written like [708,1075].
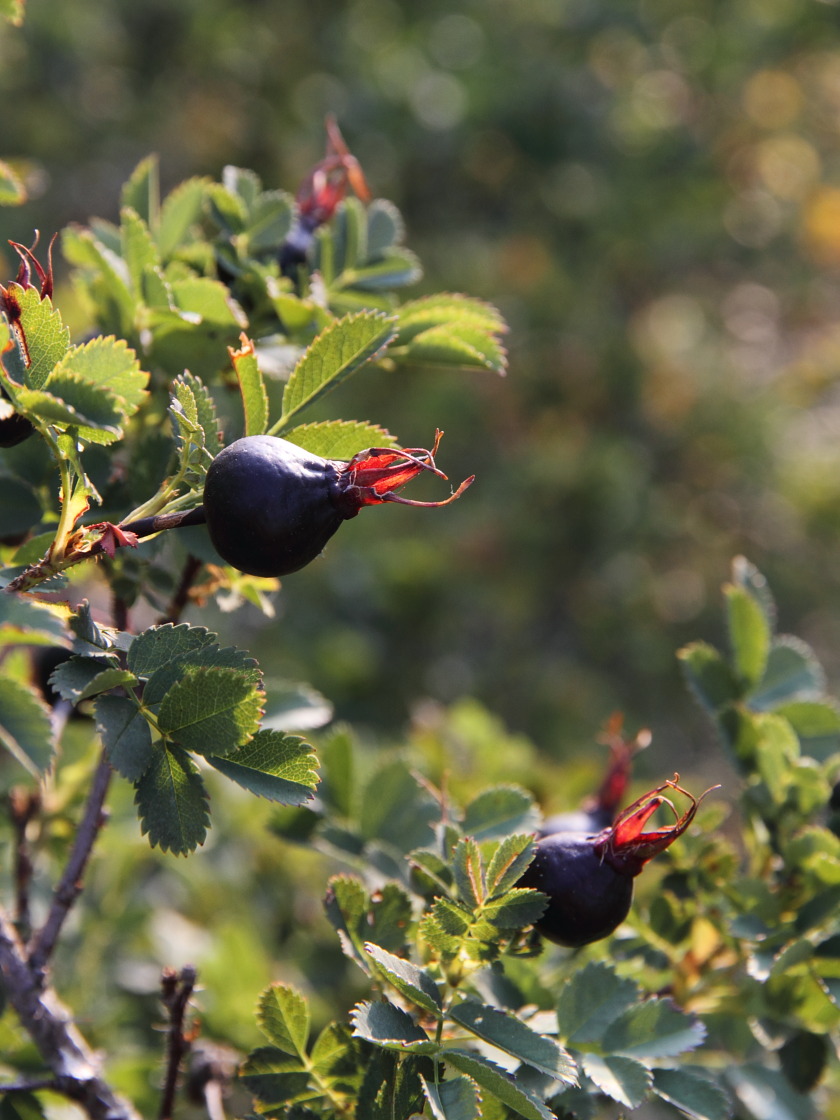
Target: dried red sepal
[9,302]
[622,753]
[374,476]
[627,847]
[328,182]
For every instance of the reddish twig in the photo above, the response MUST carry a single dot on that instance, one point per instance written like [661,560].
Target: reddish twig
[70,884]
[176,990]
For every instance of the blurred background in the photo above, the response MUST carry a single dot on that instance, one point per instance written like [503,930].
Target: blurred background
[651,195]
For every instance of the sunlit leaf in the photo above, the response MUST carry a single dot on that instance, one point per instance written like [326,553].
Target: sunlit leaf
[281,768]
[25,728]
[338,351]
[172,802]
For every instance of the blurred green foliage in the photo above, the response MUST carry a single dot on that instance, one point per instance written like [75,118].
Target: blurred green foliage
[649,193]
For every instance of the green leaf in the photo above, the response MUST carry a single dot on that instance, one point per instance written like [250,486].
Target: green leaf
[346,905]
[12,188]
[141,192]
[139,250]
[125,736]
[26,621]
[765,1094]
[694,1093]
[496,1082]
[275,1078]
[816,723]
[106,275]
[294,707]
[172,802]
[208,302]
[590,1000]
[107,363]
[181,209]
[391,1088]
[468,872]
[653,1029]
[396,268]
[708,676]
[446,308]
[624,1079]
[386,1025]
[252,388]
[281,768]
[793,673]
[69,401]
[46,339]
[339,350]
[160,646]
[459,346]
[516,1038]
[445,926]
[508,862]
[385,227]
[211,710]
[499,812]
[515,908]
[804,1057]
[347,233]
[205,412]
[79,678]
[453,1099]
[339,439]
[25,728]
[338,785]
[333,1052]
[747,576]
[357,917]
[416,984]
[283,1017]
[395,809]
[269,221]
[749,635]
[208,657]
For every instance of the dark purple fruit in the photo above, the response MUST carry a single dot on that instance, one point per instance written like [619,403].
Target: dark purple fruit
[271,507]
[14,428]
[599,812]
[589,879]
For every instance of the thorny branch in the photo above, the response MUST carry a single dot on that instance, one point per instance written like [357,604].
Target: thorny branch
[50,1026]
[70,885]
[24,806]
[176,990]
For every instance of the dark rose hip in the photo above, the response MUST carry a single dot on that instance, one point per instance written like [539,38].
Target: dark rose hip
[589,879]
[271,507]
